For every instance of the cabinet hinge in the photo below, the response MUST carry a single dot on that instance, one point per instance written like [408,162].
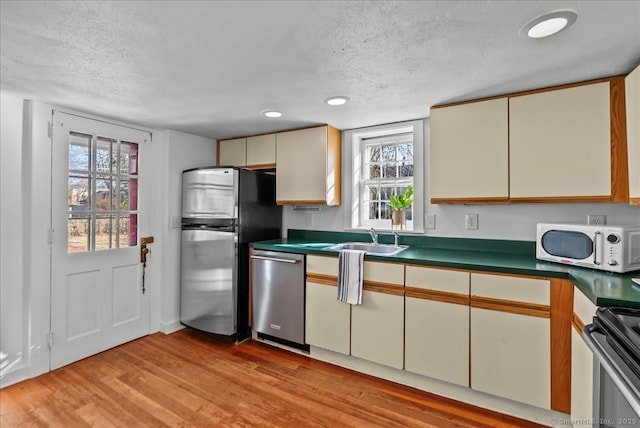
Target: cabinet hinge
[51,340]
[50,236]
[50,129]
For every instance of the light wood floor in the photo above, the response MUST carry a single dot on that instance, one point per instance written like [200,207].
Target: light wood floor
[189,379]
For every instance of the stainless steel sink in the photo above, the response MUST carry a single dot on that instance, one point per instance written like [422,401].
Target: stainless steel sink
[374,249]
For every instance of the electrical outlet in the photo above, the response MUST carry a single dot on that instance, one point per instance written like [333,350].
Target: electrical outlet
[430,221]
[471,221]
[596,219]
[308,219]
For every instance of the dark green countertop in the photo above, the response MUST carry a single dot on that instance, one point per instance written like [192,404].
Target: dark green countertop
[502,256]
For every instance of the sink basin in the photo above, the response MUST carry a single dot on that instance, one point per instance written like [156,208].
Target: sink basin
[373,249]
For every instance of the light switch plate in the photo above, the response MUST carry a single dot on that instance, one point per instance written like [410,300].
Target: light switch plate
[471,222]
[430,221]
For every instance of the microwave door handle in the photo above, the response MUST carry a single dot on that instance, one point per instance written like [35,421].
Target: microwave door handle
[595,248]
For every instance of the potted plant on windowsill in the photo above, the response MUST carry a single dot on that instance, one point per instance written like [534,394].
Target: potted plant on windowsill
[399,204]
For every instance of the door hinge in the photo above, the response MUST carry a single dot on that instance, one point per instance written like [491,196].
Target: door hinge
[50,129]
[50,236]
[50,340]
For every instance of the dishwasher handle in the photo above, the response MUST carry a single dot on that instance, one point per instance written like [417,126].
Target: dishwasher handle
[273,259]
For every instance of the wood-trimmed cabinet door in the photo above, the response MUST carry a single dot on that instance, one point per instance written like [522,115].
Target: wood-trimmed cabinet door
[377,325]
[469,153]
[581,359]
[510,338]
[437,323]
[632,97]
[561,144]
[308,166]
[261,151]
[232,152]
[327,320]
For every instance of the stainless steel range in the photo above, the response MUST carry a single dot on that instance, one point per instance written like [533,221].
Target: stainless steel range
[614,338]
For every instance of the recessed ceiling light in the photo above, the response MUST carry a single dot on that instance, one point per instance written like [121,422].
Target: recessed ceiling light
[336,101]
[548,24]
[271,113]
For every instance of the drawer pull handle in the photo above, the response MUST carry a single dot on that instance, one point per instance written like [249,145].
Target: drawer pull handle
[271,259]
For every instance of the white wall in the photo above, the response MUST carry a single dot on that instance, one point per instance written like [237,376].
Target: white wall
[183,151]
[511,222]
[13,313]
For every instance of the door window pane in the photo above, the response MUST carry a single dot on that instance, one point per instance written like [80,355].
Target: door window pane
[102,193]
[105,156]
[128,158]
[78,229]
[105,233]
[79,193]
[79,152]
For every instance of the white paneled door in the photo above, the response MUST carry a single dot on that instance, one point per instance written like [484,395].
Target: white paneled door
[98,216]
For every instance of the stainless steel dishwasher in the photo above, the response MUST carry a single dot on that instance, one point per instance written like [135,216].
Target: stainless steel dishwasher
[278,295]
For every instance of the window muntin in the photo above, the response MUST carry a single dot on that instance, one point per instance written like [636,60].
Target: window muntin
[102,193]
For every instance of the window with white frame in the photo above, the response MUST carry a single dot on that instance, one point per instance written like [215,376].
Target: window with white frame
[385,160]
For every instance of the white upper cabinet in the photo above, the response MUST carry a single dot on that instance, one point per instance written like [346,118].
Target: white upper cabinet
[560,143]
[469,152]
[308,166]
[261,151]
[632,90]
[232,152]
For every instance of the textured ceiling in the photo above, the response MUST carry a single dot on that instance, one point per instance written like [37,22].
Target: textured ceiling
[209,68]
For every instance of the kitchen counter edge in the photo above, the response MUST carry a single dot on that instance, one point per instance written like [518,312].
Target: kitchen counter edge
[602,288]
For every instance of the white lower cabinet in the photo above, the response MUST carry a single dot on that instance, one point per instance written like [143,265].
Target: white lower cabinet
[510,351]
[510,356]
[489,332]
[377,325]
[327,321]
[377,328]
[437,340]
[581,378]
[437,324]
[581,359]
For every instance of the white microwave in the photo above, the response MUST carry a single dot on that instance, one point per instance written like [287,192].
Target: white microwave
[603,247]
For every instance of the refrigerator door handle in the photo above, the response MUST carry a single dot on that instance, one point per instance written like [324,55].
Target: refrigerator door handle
[273,259]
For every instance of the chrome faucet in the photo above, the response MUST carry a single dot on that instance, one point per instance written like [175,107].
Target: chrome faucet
[374,236]
[396,238]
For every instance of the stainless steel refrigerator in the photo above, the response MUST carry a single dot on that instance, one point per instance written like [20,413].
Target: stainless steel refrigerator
[223,209]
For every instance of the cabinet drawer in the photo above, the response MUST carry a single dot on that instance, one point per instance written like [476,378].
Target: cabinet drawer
[437,279]
[389,273]
[322,265]
[517,289]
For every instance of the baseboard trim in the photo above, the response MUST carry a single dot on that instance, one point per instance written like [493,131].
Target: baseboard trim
[444,389]
[170,327]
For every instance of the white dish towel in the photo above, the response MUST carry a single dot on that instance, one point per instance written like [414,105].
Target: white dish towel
[350,272]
